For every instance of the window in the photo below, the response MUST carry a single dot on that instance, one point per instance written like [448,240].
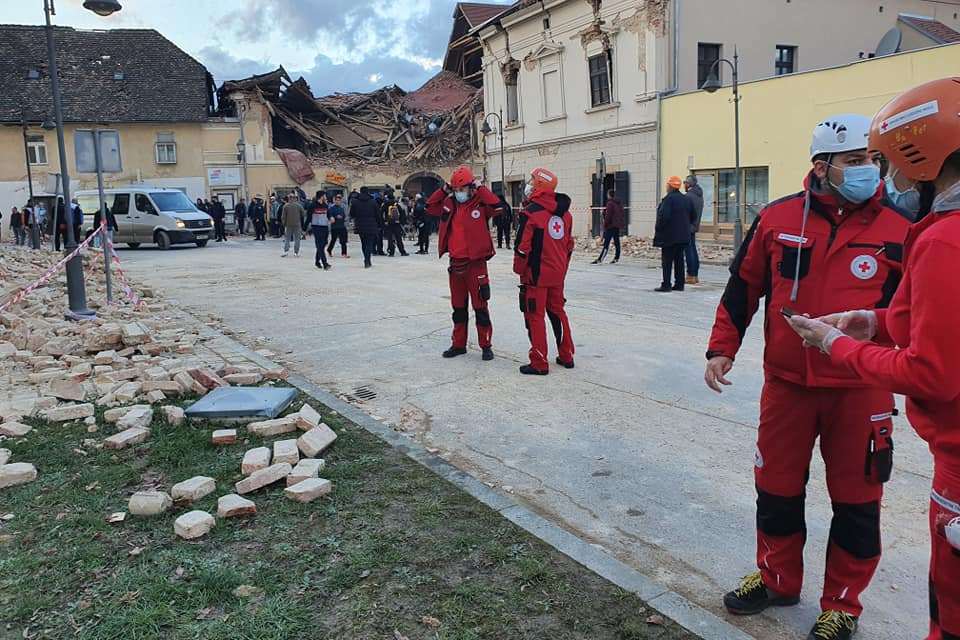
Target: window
[143,204]
[720,194]
[707,56]
[552,94]
[36,149]
[172,201]
[166,148]
[786,61]
[513,96]
[121,204]
[599,66]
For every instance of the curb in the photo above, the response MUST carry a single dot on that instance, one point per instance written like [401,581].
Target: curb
[687,614]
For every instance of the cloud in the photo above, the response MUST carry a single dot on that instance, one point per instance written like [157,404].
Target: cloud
[224,66]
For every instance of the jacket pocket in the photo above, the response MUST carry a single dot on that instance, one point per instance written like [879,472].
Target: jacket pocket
[790,252]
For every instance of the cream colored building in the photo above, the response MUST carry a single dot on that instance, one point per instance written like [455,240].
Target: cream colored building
[578,80]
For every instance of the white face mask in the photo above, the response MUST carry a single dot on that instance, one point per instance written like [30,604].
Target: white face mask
[528,191]
[462,196]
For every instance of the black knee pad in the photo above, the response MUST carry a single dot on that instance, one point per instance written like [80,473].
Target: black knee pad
[483,317]
[485,292]
[856,528]
[460,315]
[779,515]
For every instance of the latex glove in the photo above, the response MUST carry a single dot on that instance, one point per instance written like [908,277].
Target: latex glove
[717,368]
[815,333]
[859,325]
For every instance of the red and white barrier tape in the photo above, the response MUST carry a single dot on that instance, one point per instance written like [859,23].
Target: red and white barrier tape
[121,276]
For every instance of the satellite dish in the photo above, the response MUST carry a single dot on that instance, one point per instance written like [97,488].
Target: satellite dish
[890,43]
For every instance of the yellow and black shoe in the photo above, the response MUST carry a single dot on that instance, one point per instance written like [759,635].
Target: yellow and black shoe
[752,596]
[833,625]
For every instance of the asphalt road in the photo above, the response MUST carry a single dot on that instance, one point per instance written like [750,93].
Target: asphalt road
[629,450]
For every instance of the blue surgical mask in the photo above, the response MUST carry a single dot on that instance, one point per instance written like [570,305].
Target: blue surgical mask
[859,183]
[462,196]
[908,200]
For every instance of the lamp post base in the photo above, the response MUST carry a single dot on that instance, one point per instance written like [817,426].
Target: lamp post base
[78,316]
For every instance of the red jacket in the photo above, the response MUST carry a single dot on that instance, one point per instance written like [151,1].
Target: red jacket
[848,261]
[463,227]
[542,253]
[922,322]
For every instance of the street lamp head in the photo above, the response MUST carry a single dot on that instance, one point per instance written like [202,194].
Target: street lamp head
[102,7]
[48,125]
[241,145]
[485,129]
[712,84]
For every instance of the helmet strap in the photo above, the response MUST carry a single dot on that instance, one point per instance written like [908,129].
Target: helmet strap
[928,192]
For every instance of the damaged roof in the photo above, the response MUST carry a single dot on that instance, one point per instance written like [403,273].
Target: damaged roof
[115,75]
[933,29]
[476,13]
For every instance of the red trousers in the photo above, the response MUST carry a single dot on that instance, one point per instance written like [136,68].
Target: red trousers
[944,559]
[534,303]
[851,423]
[469,280]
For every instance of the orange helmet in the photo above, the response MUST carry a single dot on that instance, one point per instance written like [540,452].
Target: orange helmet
[462,177]
[674,182]
[919,129]
[543,180]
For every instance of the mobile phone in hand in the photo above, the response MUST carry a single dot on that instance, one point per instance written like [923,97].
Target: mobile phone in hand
[787,312]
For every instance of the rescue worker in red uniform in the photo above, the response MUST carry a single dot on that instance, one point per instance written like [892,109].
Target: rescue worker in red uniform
[464,206]
[912,348]
[541,258]
[815,252]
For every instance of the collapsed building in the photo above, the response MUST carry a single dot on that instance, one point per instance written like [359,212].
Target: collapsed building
[387,137]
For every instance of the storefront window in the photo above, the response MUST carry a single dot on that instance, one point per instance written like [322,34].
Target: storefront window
[720,194]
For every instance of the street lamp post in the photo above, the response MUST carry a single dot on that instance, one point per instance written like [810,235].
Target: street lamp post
[76,291]
[711,85]
[486,130]
[242,154]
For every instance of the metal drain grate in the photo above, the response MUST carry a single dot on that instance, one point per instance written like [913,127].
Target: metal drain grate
[361,394]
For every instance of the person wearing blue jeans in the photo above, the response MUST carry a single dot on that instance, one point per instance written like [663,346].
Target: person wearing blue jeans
[695,195]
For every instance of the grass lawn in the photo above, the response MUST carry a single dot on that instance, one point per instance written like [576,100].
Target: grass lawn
[394,552]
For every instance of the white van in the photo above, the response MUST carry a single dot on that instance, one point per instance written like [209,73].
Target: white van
[156,215]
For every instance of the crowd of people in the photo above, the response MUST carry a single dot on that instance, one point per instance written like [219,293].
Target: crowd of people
[32,224]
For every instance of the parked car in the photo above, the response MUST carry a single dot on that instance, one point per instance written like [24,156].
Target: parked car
[164,217]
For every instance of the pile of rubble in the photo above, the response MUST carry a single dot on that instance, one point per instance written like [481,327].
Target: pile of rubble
[637,247]
[132,361]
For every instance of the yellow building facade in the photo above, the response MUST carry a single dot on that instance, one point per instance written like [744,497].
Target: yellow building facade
[777,117]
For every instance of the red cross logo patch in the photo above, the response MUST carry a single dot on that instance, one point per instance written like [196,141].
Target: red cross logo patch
[475,214]
[864,267]
[555,227]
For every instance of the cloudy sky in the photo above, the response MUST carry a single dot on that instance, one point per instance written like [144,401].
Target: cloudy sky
[337,45]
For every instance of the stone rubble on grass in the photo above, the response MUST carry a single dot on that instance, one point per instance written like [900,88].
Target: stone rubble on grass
[174,415]
[263,477]
[313,442]
[306,469]
[193,489]
[243,379]
[307,417]
[5,455]
[111,416]
[156,397]
[69,412]
[273,427]
[232,506]
[224,436]
[17,473]
[124,439]
[139,417]
[67,390]
[308,490]
[208,378]
[255,460]
[14,429]
[149,503]
[286,451]
[193,524]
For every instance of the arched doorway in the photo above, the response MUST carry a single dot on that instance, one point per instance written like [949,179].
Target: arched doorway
[424,182]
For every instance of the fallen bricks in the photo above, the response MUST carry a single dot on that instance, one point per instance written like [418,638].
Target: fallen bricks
[224,436]
[308,490]
[263,477]
[306,469]
[314,441]
[194,524]
[255,460]
[149,503]
[128,438]
[193,489]
[232,506]
[17,473]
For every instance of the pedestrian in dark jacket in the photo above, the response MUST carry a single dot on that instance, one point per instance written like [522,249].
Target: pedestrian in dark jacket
[258,217]
[111,223]
[424,224]
[394,215]
[695,195]
[365,213]
[675,215]
[504,223]
[216,211]
[240,211]
[201,205]
[338,226]
[614,221]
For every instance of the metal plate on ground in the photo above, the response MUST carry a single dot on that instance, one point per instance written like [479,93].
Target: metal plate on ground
[242,402]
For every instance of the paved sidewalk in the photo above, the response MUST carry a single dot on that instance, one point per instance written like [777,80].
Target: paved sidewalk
[628,450]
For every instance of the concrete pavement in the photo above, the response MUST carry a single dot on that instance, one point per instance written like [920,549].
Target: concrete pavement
[629,450]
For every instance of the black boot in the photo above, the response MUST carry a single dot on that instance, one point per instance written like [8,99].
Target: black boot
[453,352]
[752,597]
[528,370]
[664,288]
[487,353]
[565,365]
[833,625]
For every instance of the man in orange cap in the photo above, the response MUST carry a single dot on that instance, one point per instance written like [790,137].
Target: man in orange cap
[675,217]
[541,258]
[464,206]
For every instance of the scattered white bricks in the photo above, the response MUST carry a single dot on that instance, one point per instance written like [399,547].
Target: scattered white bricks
[69,412]
[273,427]
[17,473]
[263,477]
[193,524]
[67,390]
[113,415]
[140,416]
[185,381]
[14,429]
[306,469]
[168,387]
[307,417]
[313,442]
[149,503]
[5,455]
[243,378]
[156,397]
[174,415]
[286,451]
[128,392]
[224,436]
[255,460]
[105,358]
[232,506]
[134,333]
[208,378]
[124,439]
[308,490]
[193,489]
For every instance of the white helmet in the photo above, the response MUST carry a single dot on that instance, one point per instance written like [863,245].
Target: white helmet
[840,134]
